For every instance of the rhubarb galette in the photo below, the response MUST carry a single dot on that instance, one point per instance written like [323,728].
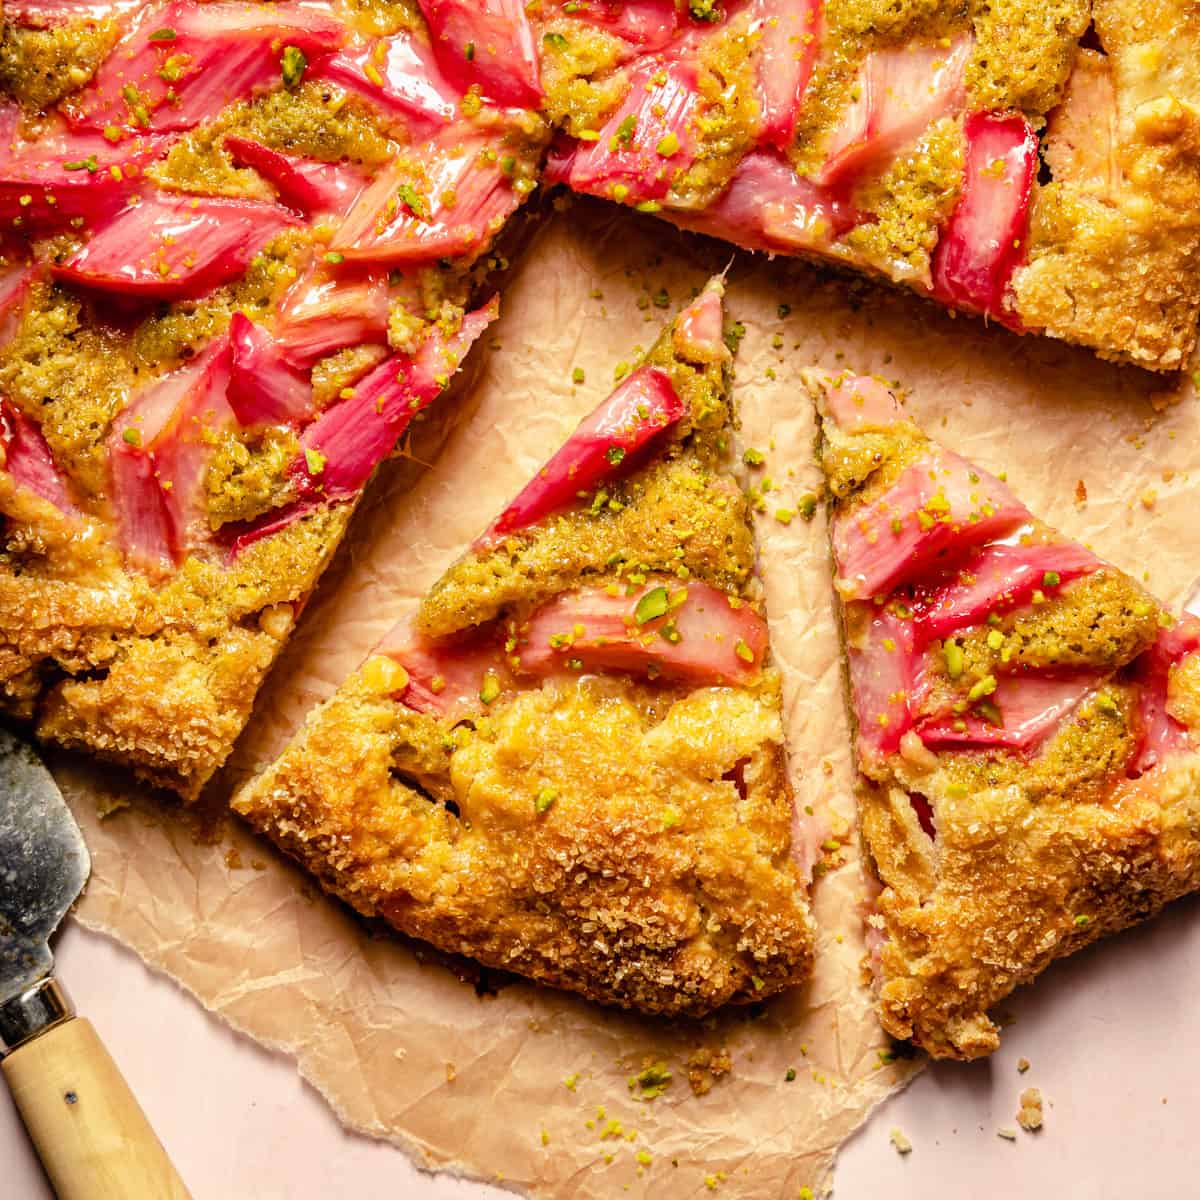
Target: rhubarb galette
[569,762]
[1027,725]
[239,243]
[1034,162]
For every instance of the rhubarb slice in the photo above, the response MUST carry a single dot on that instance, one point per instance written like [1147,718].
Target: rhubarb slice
[790,36]
[167,247]
[693,633]
[767,206]
[486,44]
[398,76]
[322,313]
[67,179]
[26,459]
[899,93]
[312,188]
[183,63]
[447,199]
[939,509]
[984,240]
[349,440]
[646,142]
[264,387]
[630,419]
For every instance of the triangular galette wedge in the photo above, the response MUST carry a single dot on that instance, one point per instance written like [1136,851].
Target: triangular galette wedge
[1026,720]
[570,763]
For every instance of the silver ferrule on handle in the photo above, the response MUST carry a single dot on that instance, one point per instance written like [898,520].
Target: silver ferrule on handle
[40,1007]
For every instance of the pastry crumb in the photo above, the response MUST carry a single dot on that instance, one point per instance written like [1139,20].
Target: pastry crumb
[1080,492]
[1009,1135]
[900,1141]
[1022,1065]
[1029,1115]
[705,1066]
[451,1072]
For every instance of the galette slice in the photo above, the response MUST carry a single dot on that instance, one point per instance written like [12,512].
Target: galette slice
[1026,725]
[569,763]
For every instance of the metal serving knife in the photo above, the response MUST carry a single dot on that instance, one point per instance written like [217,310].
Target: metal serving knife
[93,1138]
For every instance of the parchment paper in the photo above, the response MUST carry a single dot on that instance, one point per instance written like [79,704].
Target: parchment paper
[401,1047]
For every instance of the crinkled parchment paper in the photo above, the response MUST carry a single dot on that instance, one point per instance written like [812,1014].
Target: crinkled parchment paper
[404,1049]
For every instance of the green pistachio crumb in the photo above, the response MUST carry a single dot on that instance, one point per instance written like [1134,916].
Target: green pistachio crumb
[544,801]
[292,65]
[314,460]
[577,375]
[653,604]
[790,1075]
[953,654]
[491,688]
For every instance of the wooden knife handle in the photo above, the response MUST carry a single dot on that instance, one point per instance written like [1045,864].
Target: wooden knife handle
[92,1136]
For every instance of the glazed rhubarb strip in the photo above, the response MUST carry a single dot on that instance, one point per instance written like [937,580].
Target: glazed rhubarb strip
[983,242]
[790,36]
[693,633]
[643,145]
[447,676]
[997,579]
[1030,708]
[452,205]
[349,440]
[183,63]
[768,207]
[310,187]
[66,178]
[938,510]
[487,44]
[899,93]
[882,677]
[640,409]
[1159,734]
[15,283]
[648,25]
[322,313]
[168,246]
[397,76]
[159,448]
[264,388]
[26,459]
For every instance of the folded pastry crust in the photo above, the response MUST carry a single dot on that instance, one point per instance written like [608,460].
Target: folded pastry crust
[621,832]
[1026,719]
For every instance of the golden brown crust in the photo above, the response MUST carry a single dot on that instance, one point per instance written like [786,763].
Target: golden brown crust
[649,882]
[1017,886]
[157,678]
[1033,854]
[1114,240]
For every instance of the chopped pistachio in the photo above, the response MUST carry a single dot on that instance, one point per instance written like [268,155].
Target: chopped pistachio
[953,654]
[985,687]
[652,605]
[577,375]
[544,800]
[491,688]
[292,65]
[314,460]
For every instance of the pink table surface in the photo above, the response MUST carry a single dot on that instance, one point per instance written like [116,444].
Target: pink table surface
[1110,1035]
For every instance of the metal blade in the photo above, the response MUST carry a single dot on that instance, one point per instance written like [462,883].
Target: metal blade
[44,864]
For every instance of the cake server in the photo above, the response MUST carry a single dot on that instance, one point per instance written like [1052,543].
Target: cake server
[93,1138]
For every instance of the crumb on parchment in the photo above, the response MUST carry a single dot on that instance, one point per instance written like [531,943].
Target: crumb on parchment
[1022,1065]
[1029,1115]
[900,1141]
[651,1081]
[705,1065]
[1008,1134]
